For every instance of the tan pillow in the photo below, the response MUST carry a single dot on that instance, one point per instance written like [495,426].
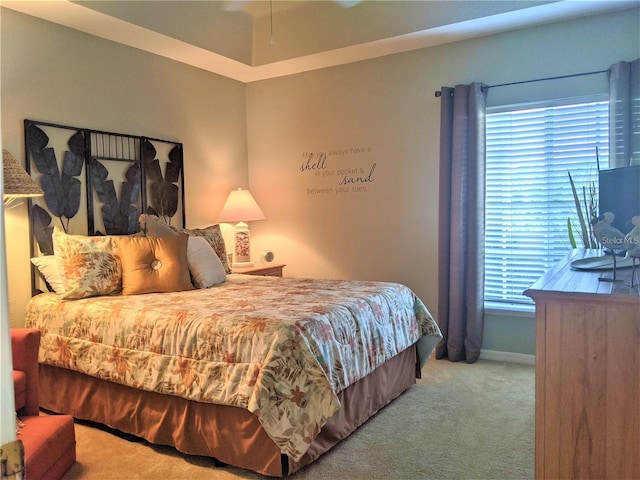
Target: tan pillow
[154,264]
[89,265]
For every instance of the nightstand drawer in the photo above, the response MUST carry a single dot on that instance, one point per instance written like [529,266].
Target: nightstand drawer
[265,271]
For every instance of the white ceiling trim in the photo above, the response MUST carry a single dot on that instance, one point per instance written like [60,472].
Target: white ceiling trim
[86,20]
[541,14]
[95,23]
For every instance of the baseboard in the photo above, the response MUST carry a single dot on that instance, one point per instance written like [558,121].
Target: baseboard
[511,357]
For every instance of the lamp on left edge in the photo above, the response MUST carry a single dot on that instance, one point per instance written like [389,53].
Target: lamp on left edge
[17,182]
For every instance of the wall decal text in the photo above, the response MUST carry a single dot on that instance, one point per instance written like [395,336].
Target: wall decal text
[338,171]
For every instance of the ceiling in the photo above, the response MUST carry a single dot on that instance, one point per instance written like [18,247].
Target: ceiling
[250,40]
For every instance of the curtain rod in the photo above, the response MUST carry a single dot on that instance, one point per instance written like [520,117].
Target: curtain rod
[438,93]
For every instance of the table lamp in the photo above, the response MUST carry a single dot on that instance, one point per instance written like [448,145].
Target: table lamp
[240,207]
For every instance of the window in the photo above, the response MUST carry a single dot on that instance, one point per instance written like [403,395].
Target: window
[530,150]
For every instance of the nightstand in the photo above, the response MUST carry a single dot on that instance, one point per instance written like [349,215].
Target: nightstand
[264,270]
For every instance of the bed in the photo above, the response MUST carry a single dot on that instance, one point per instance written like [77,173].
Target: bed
[264,373]
[279,373]
[148,332]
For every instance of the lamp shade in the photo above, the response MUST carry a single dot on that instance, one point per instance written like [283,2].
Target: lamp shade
[17,182]
[240,207]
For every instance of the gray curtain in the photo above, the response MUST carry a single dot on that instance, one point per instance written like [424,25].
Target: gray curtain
[461,222]
[624,114]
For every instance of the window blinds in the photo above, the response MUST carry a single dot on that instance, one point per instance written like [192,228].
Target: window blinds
[530,150]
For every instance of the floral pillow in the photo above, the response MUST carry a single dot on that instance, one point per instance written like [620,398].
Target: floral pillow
[89,265]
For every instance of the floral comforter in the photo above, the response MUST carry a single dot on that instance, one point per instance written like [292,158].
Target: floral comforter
[280,347]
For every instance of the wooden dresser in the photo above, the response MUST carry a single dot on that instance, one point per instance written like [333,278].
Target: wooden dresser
[587,373]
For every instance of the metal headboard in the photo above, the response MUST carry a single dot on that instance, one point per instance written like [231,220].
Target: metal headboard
[98,182]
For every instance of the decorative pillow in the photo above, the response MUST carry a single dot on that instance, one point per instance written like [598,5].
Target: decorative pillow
[213,236]
[154,264]
[89,265]
[47,265]
[154,227]
[205,266]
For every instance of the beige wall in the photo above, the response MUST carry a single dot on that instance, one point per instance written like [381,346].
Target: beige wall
[55,74]
[387,105]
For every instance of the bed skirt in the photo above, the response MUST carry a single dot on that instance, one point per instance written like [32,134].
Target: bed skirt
[229,434]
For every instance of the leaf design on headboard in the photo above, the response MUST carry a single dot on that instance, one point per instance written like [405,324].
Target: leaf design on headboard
[42,229]
[163,195]
[61,189]
[119,217]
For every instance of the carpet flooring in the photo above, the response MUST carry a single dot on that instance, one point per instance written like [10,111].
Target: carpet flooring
[458,422]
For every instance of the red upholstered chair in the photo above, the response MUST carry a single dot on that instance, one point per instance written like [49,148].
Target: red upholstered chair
[25,343]
[49,440]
